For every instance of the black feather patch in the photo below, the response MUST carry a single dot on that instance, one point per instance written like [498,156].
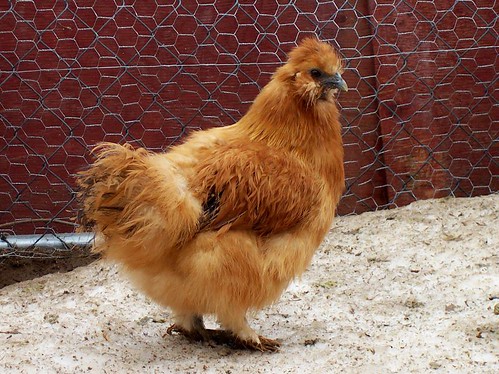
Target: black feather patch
[211,207]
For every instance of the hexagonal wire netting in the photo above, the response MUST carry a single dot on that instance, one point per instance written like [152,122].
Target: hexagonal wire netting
[420,118]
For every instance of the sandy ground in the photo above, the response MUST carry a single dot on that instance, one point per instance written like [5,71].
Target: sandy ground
[406,290]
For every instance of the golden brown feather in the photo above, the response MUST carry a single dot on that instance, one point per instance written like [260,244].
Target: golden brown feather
[223,222]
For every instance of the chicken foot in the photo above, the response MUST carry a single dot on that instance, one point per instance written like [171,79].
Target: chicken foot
[192,327]
[195,330]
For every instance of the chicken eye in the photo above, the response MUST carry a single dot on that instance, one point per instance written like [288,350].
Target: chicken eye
[316,73]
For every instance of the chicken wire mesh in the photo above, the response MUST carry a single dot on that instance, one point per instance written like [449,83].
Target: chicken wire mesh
[420,118]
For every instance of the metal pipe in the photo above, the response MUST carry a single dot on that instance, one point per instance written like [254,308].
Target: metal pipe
[55,241]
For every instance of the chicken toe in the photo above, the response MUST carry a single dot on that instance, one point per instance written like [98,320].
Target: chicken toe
[263,344]
[268,345]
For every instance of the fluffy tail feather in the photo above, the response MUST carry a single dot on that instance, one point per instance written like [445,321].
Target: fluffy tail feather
[138,203]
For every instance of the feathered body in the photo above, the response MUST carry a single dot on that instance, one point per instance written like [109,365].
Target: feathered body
[223,222]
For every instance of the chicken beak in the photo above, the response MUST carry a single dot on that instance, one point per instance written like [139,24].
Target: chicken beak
[342,85]
[336,81]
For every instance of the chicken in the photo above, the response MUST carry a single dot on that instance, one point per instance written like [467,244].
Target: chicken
[221,224]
